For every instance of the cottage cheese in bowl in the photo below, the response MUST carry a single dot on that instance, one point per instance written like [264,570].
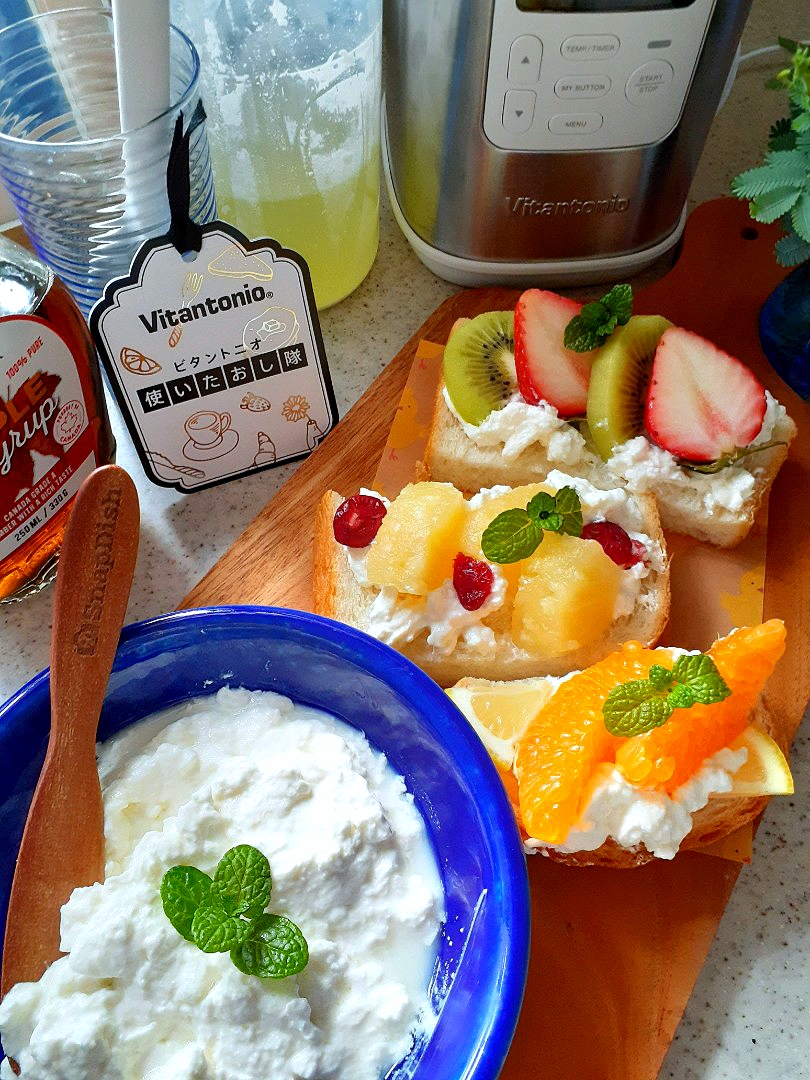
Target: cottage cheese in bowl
[351,866]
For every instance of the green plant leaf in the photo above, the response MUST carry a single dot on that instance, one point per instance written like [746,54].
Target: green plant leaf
[788,43]
[680,697]
[792,250]
[783,169]
[510,537]
[274,949]
[543,509]
[242,881]
[699,673]
[597,320]
[660,677]
[619,301]
[214,930]
[569,508]
[635,707]
[782,136]
[800,216]
[736,456]
[182,890]
[773,204]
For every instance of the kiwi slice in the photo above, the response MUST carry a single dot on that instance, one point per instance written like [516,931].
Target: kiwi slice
[479,364]
[619,379]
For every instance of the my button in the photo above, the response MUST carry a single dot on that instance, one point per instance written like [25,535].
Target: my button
[575,123]
[524,60]
[590,47]
[582,86]
[518,110]
[647,82]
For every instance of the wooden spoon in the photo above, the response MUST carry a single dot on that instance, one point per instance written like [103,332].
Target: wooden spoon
[63,842]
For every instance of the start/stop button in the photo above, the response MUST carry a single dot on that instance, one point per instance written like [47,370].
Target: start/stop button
[649,82]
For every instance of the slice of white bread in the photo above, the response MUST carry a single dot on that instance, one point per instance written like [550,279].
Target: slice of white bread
[686,506]
[721,816]
[338,595]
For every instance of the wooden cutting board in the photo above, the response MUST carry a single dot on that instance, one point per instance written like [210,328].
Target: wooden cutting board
[615,954]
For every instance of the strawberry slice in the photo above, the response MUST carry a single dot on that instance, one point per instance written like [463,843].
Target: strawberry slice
[701,403]
[546,370]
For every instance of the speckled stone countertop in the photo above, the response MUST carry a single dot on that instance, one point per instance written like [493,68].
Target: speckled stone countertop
[748,1015]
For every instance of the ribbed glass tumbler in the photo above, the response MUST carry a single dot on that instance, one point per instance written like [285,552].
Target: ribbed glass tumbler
[87,194]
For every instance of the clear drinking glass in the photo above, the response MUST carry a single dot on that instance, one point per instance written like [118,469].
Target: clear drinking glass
[292,89]
[87,194]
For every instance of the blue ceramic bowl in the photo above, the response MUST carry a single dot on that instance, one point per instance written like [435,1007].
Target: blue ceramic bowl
[483,954]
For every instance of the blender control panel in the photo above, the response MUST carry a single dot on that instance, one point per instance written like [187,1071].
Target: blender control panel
[589,80]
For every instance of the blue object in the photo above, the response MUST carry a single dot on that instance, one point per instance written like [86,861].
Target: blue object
[784,330]
[483,954]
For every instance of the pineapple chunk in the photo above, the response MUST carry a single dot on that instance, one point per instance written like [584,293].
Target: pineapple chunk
[566,596]
[477,520]
[418,539]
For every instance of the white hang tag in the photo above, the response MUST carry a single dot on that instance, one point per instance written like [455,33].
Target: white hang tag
[218,362]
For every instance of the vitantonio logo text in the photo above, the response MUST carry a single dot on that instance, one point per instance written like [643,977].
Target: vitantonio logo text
[523,205]
[163,318]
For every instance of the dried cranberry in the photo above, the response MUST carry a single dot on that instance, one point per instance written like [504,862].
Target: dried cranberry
[357,520]
[615,542]
[472,581]
[639,551]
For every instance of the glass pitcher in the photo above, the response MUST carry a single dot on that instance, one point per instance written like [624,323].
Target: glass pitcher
[292,92]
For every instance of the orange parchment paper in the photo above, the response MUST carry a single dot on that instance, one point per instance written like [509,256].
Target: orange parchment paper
[714,590]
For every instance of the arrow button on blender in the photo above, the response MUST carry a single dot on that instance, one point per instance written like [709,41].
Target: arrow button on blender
[518,110]
[525,57]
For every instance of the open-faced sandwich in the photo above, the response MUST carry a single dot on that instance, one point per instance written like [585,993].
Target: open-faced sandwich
[509,583]
[619,400]
[642,754]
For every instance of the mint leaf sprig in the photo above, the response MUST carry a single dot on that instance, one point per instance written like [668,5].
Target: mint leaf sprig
[516,534]
[726,461]
[638,706]
[226,914]
[597,320]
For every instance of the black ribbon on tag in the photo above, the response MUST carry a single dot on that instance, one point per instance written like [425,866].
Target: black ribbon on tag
[185,234]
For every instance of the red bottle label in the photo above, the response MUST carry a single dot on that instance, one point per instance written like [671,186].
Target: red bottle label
[47,444]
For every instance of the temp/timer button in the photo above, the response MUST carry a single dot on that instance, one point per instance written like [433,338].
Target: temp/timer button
[582,86]
[647,83]
[590,47]
[575,123]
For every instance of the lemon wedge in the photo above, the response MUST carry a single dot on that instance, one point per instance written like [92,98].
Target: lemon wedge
[500,712]
[766,772]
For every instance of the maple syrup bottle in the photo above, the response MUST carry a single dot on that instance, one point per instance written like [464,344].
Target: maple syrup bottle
[54,427]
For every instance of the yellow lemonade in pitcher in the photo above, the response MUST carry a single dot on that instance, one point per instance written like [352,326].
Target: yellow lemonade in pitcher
[335,229]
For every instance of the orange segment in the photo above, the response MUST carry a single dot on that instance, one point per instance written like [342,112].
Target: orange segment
[568,739]
[668,756]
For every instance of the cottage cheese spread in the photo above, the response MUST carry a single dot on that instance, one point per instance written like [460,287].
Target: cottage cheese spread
[638,463]
[724,495]
[351,866]
[517,426]
[632,815]
[396,619]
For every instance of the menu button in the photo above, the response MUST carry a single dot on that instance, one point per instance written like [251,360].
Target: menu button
[575,123]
